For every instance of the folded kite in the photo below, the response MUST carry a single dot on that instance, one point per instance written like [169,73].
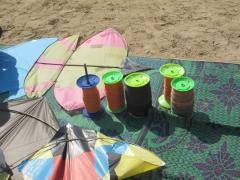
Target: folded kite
[45,71]
[5,171]
[80,154]
[25,127]
[107,48]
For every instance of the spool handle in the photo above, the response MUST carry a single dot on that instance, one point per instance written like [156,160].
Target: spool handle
[85,68]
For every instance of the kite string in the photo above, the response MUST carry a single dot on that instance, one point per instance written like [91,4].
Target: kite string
[26,114]
[81,65]
[5,134]
[98,66]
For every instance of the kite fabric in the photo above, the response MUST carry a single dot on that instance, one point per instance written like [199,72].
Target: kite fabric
[48,67]
[15,62]
[5,171]
[131,66]
[4,176]
[79,154]
[107,48]
[25,126]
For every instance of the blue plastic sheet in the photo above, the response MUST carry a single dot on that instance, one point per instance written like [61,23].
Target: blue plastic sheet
[15,62]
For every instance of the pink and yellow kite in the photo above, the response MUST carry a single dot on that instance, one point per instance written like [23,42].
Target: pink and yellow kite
[61,65]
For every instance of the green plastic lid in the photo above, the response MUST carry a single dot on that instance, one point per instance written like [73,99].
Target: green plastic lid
[183,84]
[112,77]
[138,79]
[172,70]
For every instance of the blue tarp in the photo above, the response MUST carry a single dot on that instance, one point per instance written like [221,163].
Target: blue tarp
[15,62]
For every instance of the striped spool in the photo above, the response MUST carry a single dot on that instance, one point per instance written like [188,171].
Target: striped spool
[169,71]
[138,94]
[182,96]
[114,91]
[91,97]
[167,88]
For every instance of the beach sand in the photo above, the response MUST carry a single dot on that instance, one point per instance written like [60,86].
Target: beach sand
[186,29]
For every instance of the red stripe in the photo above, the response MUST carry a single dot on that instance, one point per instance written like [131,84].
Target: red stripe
[48,66]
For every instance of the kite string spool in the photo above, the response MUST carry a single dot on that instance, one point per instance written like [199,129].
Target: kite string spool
[115,96]
[182,96]
[182,102]
[169,72]
[139,100]
[138,94]
[91,96]
[91,99]
[167,88]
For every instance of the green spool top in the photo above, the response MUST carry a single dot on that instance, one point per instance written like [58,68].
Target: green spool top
[172,70]
[138,79]
[183,84]
[112,77]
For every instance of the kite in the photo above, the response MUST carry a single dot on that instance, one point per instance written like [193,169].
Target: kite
[107,48]
[25,126]
[48,67]
[62,64]
[80,154]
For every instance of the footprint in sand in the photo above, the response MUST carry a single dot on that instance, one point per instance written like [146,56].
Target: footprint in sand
[53,21]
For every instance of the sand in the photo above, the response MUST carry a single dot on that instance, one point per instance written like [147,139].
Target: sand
[186,29]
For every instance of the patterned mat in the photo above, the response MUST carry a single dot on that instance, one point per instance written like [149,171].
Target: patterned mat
[209,149]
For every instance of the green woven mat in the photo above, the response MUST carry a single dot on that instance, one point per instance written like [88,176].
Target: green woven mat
[121,125]
[203,152]
[208,150]
[217,91]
